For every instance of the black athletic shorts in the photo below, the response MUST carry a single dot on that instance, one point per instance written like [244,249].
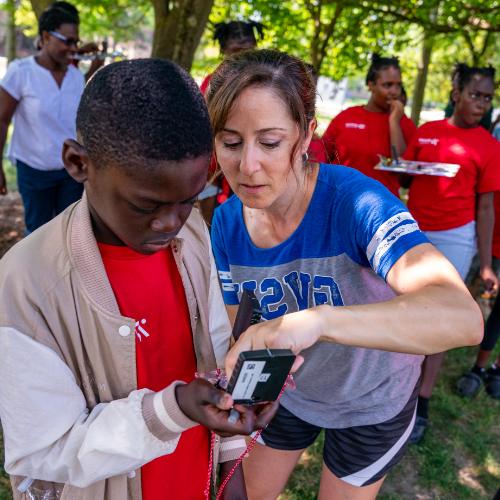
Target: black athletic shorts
[358,455]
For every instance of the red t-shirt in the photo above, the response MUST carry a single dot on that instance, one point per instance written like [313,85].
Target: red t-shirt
[359,136]
[204,84]
[317,151]
[149,289]
[440,203]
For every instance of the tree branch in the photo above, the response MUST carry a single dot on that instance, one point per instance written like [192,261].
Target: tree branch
[400,13]
[315,13]
[328,34]
[468,40]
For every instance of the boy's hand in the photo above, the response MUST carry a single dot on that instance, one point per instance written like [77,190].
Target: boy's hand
[235,488]
[203,403]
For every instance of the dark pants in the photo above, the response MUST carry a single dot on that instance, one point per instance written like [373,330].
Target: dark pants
[45,193]
[492,327]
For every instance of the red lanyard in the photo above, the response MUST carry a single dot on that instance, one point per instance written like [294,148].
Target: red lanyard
[248,449]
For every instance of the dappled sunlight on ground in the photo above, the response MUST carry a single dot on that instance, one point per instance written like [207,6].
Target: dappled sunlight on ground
[468,477]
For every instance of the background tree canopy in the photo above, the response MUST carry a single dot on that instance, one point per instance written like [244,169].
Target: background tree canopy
[337,37]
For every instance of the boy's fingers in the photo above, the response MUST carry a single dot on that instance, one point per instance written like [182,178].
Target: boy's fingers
[211,408]
[250,419]
[220,424]
[265,414]
[257,416]
[217,397]
[246,422]
[224,401]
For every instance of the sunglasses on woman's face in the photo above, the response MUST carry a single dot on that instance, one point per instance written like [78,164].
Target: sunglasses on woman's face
[64,39]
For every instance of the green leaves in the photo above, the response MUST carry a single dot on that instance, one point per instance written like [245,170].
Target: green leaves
[338,36]
[121,20]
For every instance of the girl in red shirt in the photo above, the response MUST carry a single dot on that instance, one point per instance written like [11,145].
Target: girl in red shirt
[360,133]
[452,211]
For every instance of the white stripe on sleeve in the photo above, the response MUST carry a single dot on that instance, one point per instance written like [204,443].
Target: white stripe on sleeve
[382,231]
[388,242]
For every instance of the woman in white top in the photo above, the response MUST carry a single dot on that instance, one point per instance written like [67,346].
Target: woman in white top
[42,93]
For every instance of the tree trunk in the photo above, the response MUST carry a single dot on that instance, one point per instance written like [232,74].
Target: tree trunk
[10,34]
[323,32]
[179,25]
[39,6]
[421,80]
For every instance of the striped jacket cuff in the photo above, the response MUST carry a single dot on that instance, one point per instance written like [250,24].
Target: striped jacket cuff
[231,448]
[163,417]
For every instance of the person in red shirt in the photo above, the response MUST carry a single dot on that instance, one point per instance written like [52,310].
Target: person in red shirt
[453,211]
[358,135]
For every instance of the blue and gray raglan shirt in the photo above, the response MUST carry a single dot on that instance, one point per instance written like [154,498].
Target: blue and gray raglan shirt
[353,232]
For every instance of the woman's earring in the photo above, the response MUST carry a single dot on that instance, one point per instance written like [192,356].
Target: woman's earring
[305,158]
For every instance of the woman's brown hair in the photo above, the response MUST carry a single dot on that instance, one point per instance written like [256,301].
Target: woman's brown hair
[287,76]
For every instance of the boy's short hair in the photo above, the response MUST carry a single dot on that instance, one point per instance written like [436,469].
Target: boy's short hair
[135,113]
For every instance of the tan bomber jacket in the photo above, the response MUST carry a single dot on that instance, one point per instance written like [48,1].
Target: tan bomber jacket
[75,425]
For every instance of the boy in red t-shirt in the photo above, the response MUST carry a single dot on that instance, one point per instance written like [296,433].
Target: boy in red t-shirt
[116,305]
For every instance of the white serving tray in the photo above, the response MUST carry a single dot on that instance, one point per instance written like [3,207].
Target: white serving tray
[417,167]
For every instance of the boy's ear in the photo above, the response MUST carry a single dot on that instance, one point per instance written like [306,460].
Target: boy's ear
[76,160]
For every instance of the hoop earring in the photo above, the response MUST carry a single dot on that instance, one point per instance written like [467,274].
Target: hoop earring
[305,158]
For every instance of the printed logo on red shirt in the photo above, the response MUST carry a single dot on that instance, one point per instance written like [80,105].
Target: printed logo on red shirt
[361,126]
[140,331]
[428,140]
